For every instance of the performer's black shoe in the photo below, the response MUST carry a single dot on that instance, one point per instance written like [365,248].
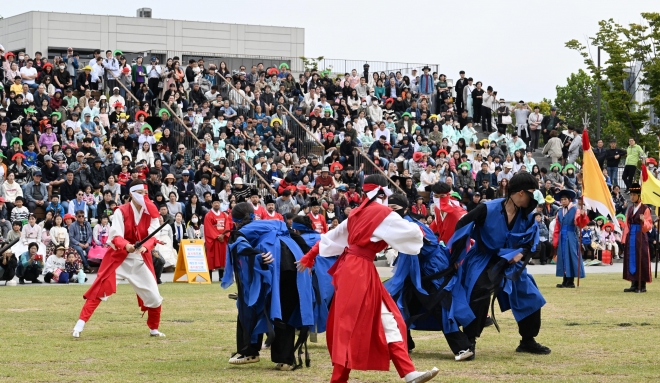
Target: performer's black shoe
[37,281]
[643,290]
[570,283]
[21,281]
[489,322]
[533,347]
[562,284]
[632,288]
[233,296]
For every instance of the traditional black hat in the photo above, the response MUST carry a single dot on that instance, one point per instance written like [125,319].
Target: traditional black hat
[215,198]
[269,199]
[635,188]
[254,192]
[570,194]
[314,202]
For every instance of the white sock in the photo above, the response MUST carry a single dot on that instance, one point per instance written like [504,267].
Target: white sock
[154,332]
[80,325]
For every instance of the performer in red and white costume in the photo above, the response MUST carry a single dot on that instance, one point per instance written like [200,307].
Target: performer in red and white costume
[447,212]
[365,328]
[318,221]
[131,223]
[271,214]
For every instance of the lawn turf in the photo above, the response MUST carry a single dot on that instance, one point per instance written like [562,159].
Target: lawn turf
[597,334]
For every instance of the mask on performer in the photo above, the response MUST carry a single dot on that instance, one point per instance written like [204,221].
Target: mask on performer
[442,202]
[139,199]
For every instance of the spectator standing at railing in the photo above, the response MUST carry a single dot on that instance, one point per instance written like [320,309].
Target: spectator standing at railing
[111,66]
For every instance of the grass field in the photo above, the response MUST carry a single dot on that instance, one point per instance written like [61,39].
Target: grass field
[597,334]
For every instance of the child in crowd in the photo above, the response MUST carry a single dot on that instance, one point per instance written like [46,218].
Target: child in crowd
[590,241]
[15,232]
[55,265]
[90,201]
[609,239]
[72,267]
[20,212]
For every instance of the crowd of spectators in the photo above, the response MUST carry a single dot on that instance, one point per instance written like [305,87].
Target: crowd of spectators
[74,134]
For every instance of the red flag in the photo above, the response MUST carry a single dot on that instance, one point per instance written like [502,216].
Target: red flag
[645,173]
[585,140]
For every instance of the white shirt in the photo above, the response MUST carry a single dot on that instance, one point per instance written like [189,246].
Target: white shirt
[400,234]
[25,71]
[117,229]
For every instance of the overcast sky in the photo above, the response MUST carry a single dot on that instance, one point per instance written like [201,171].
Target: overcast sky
[515,46]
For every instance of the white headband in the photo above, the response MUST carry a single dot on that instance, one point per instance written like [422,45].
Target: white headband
[385,189]
[137,187]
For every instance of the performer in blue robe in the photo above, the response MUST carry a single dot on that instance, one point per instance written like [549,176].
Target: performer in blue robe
[321,280]
[272,296]
[565,238]
[416,284]
[505,235]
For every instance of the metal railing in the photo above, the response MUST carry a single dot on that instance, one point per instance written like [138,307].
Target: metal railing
[306,140]
[296,64]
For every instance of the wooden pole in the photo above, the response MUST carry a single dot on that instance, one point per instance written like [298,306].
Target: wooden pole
[172,114]
[366,157]
[231,147]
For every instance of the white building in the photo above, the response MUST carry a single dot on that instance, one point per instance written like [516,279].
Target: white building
[52,33]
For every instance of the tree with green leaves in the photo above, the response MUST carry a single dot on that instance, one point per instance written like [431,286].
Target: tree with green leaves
[632,61]
[577,97]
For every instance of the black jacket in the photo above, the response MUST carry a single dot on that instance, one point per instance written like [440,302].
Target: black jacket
[609,156]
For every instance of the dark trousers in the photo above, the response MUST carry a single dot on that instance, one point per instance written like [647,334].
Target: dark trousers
[31,272]
[153,86]
[533,140]
[159,263]
[282,347]
[528,328]
[459,103]
[476,115]
[628,175]
[281,350]
[110,84]
[486,119]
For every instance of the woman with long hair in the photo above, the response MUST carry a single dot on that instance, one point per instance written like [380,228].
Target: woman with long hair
[195,228]
[503,189]
[363,318]
[145,154]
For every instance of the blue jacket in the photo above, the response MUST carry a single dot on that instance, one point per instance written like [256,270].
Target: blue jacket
[75,236]
[259,285]
[321,281]
[433,258]
[518,290]
[59,209]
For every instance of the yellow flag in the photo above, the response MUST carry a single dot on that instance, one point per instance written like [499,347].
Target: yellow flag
[595,194]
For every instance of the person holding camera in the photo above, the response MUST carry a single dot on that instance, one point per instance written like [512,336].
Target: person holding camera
[30,265]
[487,109]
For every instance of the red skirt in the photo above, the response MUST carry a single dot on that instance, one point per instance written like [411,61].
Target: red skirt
[356,338]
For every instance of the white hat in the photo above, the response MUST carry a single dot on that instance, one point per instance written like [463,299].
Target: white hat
[508,166]
[2,48]
[238,181]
